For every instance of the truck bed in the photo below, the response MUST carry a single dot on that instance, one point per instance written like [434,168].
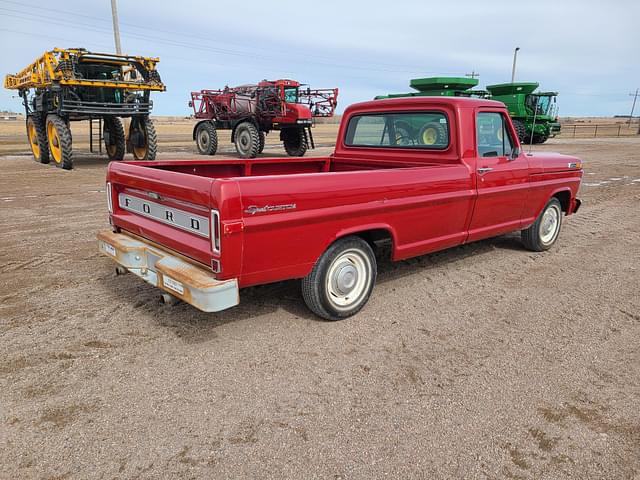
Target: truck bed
[275,166]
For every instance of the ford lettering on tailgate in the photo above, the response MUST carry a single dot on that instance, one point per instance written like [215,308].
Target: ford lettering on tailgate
[172,216]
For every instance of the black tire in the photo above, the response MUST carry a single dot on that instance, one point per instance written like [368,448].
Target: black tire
[114,139]
[142,129]
[321,288]
[433,133]
[37,136]
[520,130]
[536,237]
[247,140]
[263,140]
[537,139]
[295,142]
[206,138]
[59,142]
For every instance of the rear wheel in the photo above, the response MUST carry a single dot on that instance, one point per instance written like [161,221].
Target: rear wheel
[143,139]
[263,139]
[114,139]
[207,138]
[545,230]
[295,142]
[247,139]
[37,135]
[59,142]
[342,279]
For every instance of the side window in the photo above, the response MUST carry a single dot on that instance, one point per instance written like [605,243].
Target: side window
[493,136]
[420,130]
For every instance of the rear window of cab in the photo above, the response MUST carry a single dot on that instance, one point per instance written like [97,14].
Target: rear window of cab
[420,130]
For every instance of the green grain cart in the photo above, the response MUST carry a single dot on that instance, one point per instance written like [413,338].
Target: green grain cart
[441,86]
[534,114]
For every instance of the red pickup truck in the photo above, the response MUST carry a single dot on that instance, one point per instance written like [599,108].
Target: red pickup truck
[421,174]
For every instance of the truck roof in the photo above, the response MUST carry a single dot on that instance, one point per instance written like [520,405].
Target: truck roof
[397,103]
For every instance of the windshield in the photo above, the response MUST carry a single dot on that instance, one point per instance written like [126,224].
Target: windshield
[543,104]
[291,94]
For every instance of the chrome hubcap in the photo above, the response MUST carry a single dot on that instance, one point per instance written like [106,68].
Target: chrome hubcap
[549,224]
[348,279]
[345,278]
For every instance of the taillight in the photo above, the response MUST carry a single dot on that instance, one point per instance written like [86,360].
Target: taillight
[215,231]
[109,199]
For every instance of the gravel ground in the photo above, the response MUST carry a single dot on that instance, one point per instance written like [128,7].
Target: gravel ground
[484,361]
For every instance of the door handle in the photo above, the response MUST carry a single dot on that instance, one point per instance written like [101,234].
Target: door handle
[484,170]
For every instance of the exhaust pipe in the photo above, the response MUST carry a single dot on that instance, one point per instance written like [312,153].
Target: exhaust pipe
[121,270]
[168,299]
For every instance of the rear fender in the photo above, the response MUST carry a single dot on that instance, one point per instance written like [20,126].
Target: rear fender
[362,230]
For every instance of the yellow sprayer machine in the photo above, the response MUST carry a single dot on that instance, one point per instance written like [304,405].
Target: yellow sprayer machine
[74,84]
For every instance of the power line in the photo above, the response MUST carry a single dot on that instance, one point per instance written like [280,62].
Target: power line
[393,68]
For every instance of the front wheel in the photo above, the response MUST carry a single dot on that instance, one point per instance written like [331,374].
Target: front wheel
[207,138]
[37,134]
[247,139]
[59,139]
[342,279]
[143,141]
[545,230]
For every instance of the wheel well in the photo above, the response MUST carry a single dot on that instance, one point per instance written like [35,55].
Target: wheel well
[377,238]
[564,198]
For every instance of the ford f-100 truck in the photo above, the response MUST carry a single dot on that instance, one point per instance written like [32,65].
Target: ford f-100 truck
[420,174]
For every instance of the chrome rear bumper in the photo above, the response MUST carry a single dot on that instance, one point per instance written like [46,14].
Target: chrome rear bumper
[186,281]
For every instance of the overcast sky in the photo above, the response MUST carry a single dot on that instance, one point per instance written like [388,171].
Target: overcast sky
[586,50]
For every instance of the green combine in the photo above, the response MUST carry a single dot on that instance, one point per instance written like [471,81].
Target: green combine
[534,114]
[441,86]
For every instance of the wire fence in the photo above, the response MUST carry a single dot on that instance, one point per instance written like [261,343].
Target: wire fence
[593,130]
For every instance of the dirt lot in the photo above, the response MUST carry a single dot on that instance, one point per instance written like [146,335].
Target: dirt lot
[485,361]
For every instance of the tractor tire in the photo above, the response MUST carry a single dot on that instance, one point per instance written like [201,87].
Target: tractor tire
[342,279]
[295,142]
[431,134]
[114,139]
[247,139]
[263,140]
[520,130]
[37,135]
[207,138]
[60,142]
[537,139]
[544,232]
[147,147]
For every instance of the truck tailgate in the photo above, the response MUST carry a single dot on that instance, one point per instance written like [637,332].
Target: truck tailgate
[170,208]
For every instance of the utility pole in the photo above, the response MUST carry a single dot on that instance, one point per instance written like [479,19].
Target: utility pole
[116,28]
[633,107]
[473,74]
[513,70]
